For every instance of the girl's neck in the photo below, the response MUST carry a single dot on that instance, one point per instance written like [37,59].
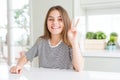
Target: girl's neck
[55,40]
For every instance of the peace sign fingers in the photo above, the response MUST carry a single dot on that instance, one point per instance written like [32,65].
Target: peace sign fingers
[75,24]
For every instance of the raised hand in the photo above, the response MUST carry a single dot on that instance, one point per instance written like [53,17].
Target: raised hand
[73,33]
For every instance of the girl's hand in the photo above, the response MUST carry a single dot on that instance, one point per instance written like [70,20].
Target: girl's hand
[16,70]
[73,33]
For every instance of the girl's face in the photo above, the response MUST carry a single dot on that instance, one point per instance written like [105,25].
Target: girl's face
[55,23]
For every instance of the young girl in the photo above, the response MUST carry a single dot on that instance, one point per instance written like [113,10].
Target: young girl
[58,47]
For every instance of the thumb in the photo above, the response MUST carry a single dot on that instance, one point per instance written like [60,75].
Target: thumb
[18,70]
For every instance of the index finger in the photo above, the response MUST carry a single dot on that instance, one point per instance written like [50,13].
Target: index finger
[75,24]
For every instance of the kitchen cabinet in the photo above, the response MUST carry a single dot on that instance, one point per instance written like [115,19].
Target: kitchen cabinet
[102,60]
[102,64]
[99,3]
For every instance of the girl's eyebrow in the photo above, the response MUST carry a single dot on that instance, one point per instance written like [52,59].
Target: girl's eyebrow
[53,17]
[49,16]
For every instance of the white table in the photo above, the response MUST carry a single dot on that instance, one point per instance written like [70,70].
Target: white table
[56,74]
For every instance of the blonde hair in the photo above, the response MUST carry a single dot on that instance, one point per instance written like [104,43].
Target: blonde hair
[66,22]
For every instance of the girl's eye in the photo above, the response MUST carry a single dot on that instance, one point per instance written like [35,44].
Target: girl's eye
[50,19]
[60,19]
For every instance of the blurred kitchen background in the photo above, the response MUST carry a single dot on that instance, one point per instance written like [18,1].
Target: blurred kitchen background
[21,23]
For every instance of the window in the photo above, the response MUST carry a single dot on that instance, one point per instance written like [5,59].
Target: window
[20,23]
[105,19]
[19,26]
[3,20]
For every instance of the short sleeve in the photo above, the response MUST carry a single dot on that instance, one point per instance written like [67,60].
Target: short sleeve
[70,52]
[33,52]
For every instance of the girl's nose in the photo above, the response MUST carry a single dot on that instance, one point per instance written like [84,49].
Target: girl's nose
[55,21]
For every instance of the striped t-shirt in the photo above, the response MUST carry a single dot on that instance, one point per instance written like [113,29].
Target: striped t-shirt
[51,57]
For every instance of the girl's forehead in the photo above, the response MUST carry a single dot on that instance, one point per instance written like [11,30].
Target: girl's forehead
[55,13]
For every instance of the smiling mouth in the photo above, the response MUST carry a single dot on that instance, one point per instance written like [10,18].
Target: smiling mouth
[55,27]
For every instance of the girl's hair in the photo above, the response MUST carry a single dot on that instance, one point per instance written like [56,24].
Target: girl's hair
[66,22]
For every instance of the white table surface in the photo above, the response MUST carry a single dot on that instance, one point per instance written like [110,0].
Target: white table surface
[56,74]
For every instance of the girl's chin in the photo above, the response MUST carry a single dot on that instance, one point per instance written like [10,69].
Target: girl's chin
[56,33]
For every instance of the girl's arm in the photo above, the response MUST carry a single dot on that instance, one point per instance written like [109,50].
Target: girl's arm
[77,58]
[18,68]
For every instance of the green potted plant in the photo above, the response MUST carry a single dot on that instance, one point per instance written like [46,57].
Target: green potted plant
[90,35]
[113,36]
[95,40]
[100,35]
[111,44]
[95,35]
